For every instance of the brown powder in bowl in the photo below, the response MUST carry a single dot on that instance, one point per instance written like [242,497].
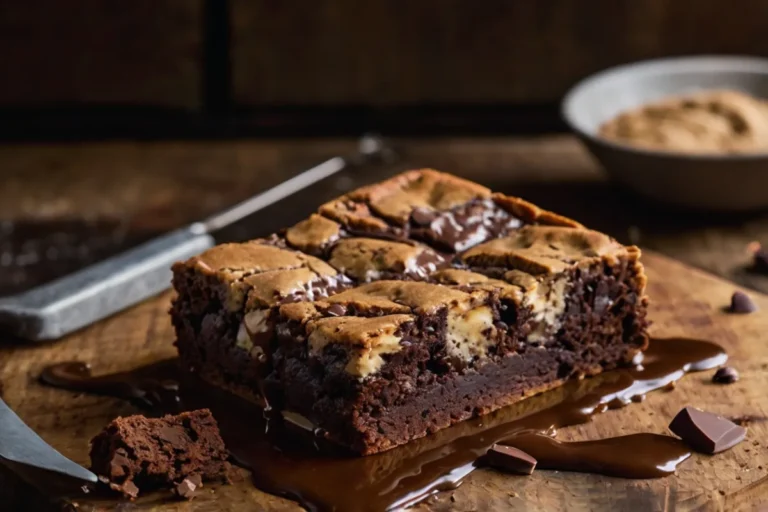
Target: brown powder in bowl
[705,122]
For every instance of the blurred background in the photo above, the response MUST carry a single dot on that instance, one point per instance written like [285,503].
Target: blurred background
[123,120]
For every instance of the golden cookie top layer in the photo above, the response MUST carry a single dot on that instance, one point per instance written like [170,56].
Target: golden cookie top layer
[395,199]
[313,235]
[232,262]
[543,249]
[422,244]
[262,275]
[369,259]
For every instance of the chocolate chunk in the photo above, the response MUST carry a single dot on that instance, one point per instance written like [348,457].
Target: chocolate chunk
[337,310]
[187,488]
[742,303]
[510,459]
[423,216]
[706,432]
[725,375]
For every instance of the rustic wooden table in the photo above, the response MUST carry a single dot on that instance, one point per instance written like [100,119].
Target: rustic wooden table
[64,205]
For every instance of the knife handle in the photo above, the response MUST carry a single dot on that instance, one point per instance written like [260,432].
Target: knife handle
[79,299]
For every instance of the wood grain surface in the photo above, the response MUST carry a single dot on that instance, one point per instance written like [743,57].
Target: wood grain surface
[685,302]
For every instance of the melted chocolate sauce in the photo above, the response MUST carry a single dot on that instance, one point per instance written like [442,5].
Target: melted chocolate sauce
[652,455]
[301,467]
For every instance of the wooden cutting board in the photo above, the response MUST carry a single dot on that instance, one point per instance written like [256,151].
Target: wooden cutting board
[685,302]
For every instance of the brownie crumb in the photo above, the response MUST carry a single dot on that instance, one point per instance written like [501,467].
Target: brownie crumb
[725,375]
[136,453]
[741,303]
[187,488]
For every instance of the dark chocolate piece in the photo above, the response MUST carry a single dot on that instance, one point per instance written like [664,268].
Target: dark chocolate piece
[510,459]
[742,303]
[725,375]
[136,453]
[706,432]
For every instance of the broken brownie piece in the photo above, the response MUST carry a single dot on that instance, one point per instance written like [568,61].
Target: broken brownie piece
[137,453]
[406,306]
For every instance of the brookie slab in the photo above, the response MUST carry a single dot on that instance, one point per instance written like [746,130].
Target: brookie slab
[404,307]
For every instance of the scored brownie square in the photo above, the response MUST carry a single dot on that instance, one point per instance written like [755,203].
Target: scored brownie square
[407,306]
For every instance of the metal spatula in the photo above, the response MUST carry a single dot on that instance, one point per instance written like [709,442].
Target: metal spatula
[23,451]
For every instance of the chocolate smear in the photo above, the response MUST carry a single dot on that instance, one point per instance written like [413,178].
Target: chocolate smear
[641,455]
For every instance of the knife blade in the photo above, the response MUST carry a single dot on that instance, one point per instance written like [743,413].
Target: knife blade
[67,304]
[20,445]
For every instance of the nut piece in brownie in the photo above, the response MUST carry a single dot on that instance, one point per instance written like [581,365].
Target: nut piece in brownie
[423,301]
[136,453]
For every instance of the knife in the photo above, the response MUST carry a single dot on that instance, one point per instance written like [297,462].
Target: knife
[23,451]
[50,311]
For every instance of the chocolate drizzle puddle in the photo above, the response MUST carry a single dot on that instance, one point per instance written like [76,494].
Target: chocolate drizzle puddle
[653,455]
[288,462]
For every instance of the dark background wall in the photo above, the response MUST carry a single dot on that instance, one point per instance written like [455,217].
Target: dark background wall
[186,67]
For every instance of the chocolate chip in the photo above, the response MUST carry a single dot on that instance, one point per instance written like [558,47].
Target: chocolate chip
[725,375]
[742,303]
[336,310]
[423,216]
[510,459]
[706,432]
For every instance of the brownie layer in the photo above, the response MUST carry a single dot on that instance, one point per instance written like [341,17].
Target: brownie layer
[406,306]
